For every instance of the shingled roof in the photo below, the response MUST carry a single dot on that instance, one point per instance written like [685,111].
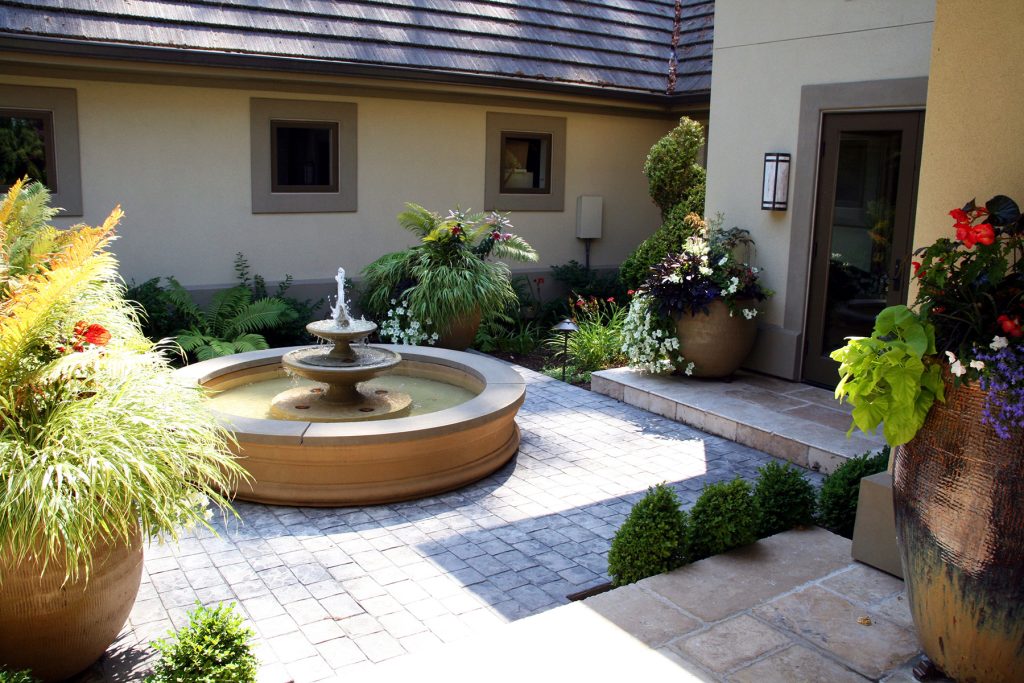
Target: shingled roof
[619,48]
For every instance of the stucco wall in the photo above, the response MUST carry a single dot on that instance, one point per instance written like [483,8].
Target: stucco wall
[177,159]
[975,111]
[764,53]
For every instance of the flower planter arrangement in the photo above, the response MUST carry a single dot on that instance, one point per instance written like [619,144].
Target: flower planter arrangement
[100,447]
[695,311]
[437,291]
[947,380]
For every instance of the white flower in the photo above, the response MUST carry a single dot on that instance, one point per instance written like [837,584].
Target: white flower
[998,343]
[689,368]
[750,313]
[393,302]
[704,270]
[952,357]
[722,261]
[977,364]
[957,368]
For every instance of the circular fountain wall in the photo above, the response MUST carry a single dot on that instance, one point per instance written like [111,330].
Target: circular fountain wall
[331,464]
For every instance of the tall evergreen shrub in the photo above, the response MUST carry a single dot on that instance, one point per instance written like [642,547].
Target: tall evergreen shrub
[651,541]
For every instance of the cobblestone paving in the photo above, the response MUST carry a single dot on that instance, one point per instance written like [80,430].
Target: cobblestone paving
[331,590]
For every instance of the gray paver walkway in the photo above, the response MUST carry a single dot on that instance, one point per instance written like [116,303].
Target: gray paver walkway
[330,591]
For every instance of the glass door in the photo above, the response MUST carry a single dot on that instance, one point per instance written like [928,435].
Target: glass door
[867,185]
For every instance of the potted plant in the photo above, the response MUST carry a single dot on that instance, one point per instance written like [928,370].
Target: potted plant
[100,447]
[437,290]
[695,311]
[947,380]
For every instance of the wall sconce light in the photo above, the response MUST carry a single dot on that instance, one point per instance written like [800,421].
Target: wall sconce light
[775,188]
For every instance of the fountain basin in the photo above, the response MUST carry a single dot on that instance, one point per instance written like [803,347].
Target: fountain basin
[329,464]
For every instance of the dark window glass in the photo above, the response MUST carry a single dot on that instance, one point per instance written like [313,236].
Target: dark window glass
[525,163]
[26,147]
[304,156]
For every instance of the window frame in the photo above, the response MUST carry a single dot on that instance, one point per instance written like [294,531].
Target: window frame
[527,135]
[500,126]
[60,108]
[264,113]
[332,139]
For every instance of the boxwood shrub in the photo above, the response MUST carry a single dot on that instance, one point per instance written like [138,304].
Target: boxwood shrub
[214,648]
[837,500]
[723,518]
[783,498]
[651,541]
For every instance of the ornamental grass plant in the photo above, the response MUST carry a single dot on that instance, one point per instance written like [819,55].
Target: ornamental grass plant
[448,275]
[967,320]
[97,438]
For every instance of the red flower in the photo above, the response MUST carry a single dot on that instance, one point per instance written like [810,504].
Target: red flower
[610,299]
[456,230]
[984,234]
[631,292]
[959,215]
[96,334]
[917,267]
[1011,326]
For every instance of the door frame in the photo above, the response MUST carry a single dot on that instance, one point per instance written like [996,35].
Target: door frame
[833,124]
[780,347]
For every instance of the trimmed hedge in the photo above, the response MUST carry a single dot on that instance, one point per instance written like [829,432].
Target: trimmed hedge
[783,498]
[837,500]
[651,541]
[723,518]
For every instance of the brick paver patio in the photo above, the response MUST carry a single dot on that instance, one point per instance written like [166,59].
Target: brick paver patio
[331,590]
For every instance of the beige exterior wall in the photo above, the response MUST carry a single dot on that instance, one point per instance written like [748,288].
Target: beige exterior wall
[764,53]
[975,111]
[177,158]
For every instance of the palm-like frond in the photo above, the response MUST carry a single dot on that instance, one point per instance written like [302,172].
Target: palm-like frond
[418,220]
[515,248]
[258,315]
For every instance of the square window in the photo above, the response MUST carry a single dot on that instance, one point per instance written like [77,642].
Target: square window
[304,156]
[26,147]
[39,139]
[525,157]
[525,163]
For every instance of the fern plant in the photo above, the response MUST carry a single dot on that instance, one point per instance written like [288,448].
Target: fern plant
[449,274]
[232,322]
[97,437]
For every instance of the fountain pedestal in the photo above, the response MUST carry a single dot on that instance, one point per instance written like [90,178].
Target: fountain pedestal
[341,369]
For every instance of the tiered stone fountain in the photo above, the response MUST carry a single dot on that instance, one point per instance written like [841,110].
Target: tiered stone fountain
[353,440]
[341,367]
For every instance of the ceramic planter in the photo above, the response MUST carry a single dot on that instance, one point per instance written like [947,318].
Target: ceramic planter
[957,492]
[461,333]
[716,343]
[57,629]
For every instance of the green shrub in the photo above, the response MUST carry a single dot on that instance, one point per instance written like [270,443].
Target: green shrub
[158,317]
[213,648]
[651,541]
[668,239]
[671,166]
[598,342]
[837,500]
[17,676]
[783,498]
[723,518]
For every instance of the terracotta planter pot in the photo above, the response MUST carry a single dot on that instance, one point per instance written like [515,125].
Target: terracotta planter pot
[461,333]
[57,629]
[716,344]
[957,492]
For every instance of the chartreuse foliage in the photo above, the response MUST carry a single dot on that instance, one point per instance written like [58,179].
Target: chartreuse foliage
[837,500]
[97,437]
[213,648]
[783,498]
[651,541]
[885,377]
[723,518]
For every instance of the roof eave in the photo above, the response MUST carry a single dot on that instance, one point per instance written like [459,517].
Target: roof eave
[208,58]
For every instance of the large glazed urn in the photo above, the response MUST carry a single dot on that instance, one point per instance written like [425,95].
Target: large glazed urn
[57,629]
[716,343]
[958,490]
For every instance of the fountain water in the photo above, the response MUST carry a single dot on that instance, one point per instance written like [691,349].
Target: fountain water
[341,368]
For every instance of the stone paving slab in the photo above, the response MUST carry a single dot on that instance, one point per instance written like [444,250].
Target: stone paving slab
[335,592]
[793,421]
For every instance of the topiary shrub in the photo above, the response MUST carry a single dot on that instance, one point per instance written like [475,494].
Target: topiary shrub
[783,498]
[651,541]
[668,239]
[213,648]
[837,500]
[671,165]
[723,518]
